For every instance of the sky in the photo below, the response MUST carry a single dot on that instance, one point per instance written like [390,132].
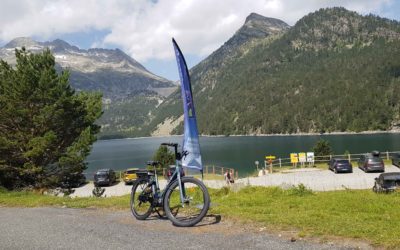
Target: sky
[143,28]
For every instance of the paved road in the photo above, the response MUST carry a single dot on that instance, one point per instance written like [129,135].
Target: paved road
[64,228]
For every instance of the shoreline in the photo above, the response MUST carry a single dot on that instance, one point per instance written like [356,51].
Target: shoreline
[266,135]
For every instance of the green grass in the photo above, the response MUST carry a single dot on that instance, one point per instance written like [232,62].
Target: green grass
[352,214]
[210,177]
[30,199]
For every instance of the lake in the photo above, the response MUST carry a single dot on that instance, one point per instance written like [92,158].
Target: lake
[238,152]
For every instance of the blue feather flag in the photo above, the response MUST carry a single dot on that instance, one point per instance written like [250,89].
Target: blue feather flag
[191,157]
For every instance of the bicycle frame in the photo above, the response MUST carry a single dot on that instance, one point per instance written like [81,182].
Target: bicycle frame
[176,175]
[184,209]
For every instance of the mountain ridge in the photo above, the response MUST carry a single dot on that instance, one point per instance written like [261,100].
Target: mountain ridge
[203,74]
[86,67]
[289,82]
[124,82]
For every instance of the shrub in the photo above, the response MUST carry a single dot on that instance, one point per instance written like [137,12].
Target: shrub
[300,190]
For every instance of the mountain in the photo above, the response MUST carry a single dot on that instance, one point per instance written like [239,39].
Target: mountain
[124,82]
[112,72]
[204,76]
[334,70]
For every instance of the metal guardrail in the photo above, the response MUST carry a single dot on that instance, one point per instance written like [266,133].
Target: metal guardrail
[281,162]
[216,170]
[207,170]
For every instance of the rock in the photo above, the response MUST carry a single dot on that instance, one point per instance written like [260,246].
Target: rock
[262,173]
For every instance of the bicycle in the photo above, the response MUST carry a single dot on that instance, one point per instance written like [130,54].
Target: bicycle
[185,200]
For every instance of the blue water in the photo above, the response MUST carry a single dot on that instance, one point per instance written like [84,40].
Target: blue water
[238,152]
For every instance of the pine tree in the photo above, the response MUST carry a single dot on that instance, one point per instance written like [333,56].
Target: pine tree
[165,157]
[46,129]
[322,148]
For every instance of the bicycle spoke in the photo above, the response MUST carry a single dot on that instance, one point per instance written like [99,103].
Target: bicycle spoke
[194,206]
[141,200]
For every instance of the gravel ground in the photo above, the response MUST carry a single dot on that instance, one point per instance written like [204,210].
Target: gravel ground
[120,188]
[319,180]
[65,228]
[315,179]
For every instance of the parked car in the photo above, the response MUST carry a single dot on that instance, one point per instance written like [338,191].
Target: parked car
[387,182]
[371,162]
[104,177]
[396,160]
[171,170]
[340,165]
[73,180]
[130,175]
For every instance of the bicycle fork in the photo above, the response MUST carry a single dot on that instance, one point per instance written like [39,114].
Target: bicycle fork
[182,191]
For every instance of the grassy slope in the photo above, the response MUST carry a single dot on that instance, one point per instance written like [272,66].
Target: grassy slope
[354,214]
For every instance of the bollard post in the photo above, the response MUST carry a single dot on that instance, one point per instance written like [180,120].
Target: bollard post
[222,171]
[280,163]
[349,157]
[387,155]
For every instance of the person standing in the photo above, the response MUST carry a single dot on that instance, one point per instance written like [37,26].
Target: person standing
[232,177]
[227,177]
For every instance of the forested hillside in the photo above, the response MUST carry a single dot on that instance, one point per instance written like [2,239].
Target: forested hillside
[335,70]
[130,92]
[126,118]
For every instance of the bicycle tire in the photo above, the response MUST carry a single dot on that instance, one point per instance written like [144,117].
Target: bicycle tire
[194,189]
[141,199]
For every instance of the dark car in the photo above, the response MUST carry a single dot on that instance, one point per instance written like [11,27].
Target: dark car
[104,177]
[73,180]
[340,165]
[396,160]
[371,163]
[387,182]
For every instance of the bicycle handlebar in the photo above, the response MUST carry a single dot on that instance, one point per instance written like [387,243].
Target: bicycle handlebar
[170,144]
[175,145]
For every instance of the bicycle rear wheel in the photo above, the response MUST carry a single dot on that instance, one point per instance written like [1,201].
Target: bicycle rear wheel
[141,199]
[195,205]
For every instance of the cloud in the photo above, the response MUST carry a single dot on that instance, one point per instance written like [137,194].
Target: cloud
[144,28]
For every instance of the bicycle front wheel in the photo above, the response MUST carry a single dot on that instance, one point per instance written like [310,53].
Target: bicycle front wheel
[141,199]
[194,206]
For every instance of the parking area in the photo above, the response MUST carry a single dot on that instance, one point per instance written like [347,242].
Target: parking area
[313,178]
[319,180]
[120,188]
